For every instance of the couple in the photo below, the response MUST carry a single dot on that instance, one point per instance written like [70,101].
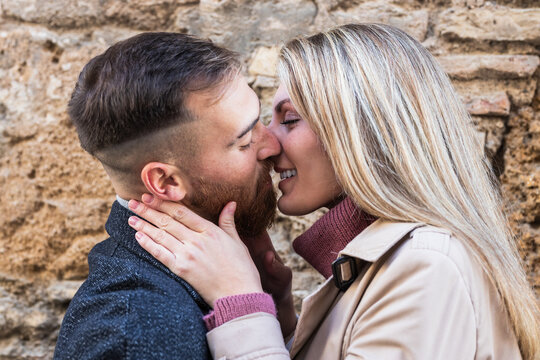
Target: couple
[364,123]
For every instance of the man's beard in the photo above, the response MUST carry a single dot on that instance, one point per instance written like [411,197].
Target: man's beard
[254,210]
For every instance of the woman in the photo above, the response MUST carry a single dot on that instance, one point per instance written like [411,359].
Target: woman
[364,110]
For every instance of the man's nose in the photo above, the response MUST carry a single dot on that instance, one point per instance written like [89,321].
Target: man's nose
[270,145]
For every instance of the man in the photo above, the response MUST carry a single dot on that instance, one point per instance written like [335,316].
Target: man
[167,114]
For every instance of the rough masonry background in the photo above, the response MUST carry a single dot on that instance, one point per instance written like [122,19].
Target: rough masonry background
[54,198]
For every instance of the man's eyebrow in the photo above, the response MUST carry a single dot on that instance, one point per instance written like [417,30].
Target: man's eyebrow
[249,128]
[277,108]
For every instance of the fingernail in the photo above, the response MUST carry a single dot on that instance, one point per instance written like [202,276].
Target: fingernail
[133,204]
[133,220]
[138,235]
[147,198]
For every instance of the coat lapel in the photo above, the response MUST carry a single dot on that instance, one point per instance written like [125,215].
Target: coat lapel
[311,314]
[370,245]
[377,239]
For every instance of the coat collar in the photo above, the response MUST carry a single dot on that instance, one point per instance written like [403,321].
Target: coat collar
[377,239]
[118,229]
[370,245]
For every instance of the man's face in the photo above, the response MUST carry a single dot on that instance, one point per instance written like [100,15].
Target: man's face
[233,148]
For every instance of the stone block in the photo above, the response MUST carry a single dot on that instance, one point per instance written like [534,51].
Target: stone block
[521,184]
[62,291]
[264,61]
[45,175]
[58,13]
[490,133]
[521,93]
[104,37]
[522,156]
[491,22]
[468,3]
[265,88]
[15,348]
[496,103]
[265,82]
[143,14]
[140,14]
[28,323]
[413,21]
[187,20]
[466,67]
[243,25]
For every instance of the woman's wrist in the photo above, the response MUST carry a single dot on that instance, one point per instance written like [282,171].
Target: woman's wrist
[239,286]
[231,307]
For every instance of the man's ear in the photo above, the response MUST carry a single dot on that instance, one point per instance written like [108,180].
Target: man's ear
[164,181]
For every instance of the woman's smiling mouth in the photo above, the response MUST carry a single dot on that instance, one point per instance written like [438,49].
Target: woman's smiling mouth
[287,174]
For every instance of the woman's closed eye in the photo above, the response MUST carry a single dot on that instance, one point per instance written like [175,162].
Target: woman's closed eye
[290,119]
[289,122]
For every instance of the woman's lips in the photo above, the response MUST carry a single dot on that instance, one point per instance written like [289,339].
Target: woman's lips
[283,183]
[286,176]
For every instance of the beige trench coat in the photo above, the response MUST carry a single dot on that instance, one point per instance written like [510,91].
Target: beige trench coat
[419,295]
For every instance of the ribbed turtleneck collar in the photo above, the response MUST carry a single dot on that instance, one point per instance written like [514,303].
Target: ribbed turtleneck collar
[322,242]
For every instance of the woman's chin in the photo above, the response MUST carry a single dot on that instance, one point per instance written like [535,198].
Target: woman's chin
[292,208]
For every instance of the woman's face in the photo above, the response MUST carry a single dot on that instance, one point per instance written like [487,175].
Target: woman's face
[308,181]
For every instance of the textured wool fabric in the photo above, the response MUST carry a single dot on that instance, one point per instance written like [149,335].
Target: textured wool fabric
[231,307]
[131,306]
[322,242]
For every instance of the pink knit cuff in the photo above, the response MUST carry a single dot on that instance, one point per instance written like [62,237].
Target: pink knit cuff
[232,307]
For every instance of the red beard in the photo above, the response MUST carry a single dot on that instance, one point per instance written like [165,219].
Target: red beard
[255,208]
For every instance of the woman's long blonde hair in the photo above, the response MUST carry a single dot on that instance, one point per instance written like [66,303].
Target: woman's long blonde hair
[403,147]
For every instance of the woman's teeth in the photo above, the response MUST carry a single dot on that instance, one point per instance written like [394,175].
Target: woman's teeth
[287,174]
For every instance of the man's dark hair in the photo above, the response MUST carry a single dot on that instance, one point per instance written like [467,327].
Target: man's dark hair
[139,86]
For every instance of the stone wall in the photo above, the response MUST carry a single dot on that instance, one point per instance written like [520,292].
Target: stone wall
[54,198]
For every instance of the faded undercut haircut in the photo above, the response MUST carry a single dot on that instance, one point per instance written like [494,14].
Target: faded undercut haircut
[139,87]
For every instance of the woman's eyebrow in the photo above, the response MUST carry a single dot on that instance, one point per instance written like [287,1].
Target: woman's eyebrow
[278,106]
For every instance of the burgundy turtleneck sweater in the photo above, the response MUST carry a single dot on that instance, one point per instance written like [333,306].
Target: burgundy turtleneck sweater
[319,246]
[322,242]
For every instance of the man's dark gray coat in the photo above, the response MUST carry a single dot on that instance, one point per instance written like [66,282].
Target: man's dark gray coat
[131,306]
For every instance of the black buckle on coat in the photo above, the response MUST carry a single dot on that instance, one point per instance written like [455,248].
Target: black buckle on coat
[344,271]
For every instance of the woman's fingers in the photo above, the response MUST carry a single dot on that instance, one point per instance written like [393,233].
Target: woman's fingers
[161,220]
[217,262]
[178,212]
[158,236]
[161,253]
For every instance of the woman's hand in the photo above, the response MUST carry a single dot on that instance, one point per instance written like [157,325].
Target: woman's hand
[212,259]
